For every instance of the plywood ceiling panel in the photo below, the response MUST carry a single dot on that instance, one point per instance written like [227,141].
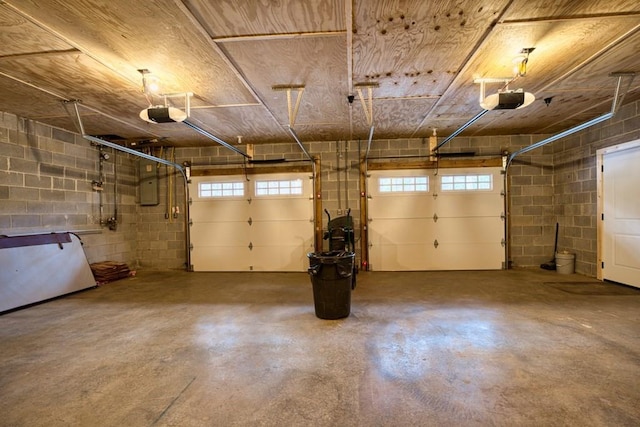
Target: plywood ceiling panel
[229,18]
[126,36]
[32,39]
[416,48]
[560,49]
[422,55]
[251,123]
[565,9]
[39,105]
[287,62]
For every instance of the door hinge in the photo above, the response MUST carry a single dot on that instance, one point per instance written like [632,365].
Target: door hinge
[435,218]
[190,221]
[602,217]
[602,265]
[250,221]
[436,244]
[249,200]
[191,246]
[190,201]
[250,246]
[503,243]
[503,216]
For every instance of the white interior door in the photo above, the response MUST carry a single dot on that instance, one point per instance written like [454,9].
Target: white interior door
[621,216]
[445,225]
[237,226]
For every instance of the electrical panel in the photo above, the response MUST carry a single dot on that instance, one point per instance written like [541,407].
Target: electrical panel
[149,191]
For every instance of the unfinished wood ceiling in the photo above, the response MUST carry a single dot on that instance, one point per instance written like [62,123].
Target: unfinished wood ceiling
[417,59]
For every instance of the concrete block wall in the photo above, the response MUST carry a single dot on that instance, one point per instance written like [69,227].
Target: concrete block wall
[575,188]
[160,232]
[46,174]
[46,186]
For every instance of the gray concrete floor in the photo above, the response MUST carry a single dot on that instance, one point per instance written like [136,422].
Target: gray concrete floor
[519,347]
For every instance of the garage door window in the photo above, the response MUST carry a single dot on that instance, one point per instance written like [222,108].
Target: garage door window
[221,189]
[403,184]
[279,188]
[466,182]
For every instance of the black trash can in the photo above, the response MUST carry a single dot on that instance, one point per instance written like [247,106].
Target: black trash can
[332,277]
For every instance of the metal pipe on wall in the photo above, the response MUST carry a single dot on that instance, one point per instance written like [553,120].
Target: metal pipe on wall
[115,192]
[617,101]
[338,175]
[346,175]
[154,159]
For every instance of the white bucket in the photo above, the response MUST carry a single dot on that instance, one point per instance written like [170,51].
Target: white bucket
[565,262]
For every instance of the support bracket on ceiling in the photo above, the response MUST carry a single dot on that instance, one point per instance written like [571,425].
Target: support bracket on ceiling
[367,104]
[618,97]
[292,108]
[185,95]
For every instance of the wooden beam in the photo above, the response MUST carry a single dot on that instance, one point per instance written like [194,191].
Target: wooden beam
[255,170]
[279,36]
[317,204]
[442,164]
[41,54]
[364,229]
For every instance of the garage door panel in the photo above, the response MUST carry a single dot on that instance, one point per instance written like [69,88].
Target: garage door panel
[415,206]
[468,222]
[221,233]
[218,210]
[281,209]
[470,256]
[401,231]
[457,205]
[409,257]
[278,228]
[282,258]
[469,230]
[220,258]
[273,233]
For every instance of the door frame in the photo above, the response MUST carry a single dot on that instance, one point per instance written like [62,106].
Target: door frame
[366,165]
[600,154]
[313,167]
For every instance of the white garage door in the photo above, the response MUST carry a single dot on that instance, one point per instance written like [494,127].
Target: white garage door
[621,216]
[420,220]
[263,223]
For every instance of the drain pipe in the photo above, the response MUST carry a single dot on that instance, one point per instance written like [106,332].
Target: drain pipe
[113,221]
[617,101]
[364,194]
[316,196]
[154,159]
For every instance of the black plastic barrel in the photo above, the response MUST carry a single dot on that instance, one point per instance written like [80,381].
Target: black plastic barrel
[332,277]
